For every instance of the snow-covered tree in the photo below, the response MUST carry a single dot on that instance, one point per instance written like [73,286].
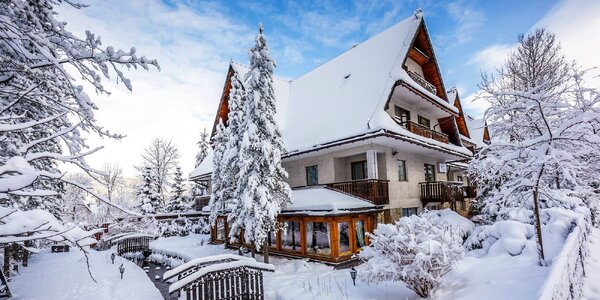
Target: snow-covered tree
[75,208]
[412,250]
[203,147]
[178,202]
[261,190]
[110,179]
[217,203]
[200,188]
[149,197]
[43,108]
[542,120]
[162,157]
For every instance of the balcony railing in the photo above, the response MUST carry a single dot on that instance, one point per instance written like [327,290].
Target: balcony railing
[424,131]
[441,191]
[374,190]
[422,82]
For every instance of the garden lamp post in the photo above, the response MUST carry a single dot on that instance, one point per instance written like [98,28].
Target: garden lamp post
[112,258]
[121,270]
[353,275]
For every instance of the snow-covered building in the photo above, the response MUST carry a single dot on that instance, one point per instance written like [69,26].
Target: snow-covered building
[376,123]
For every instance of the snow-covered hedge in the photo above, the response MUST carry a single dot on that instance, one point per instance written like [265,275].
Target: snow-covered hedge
[565,279]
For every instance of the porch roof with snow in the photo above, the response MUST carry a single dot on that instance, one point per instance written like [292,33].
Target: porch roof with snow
[347,96]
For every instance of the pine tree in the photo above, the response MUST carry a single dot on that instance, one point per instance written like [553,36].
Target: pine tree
[542,121]
[178,200]
[261,191]
[217,203]
[204,146]
[149,196]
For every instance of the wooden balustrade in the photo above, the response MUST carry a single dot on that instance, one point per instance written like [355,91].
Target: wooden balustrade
[133,244]
[422,82]
[374,190]
[425,131]
[470,191]
[442,191]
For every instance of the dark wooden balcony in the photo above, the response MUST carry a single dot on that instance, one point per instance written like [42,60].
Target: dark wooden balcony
[442,191]
[373,190]
[424,131]
[422,82]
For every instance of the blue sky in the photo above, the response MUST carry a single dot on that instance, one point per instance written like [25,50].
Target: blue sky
[194,41]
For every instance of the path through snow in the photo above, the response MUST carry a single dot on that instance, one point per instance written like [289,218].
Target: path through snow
[64,276]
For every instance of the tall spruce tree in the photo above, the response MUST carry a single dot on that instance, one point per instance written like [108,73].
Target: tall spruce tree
[217,202]
[149,196]
[178,200]
[261,191]
[542,120]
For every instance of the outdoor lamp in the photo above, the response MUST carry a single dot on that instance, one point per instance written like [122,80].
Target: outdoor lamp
[112,258]
[121,270]
[353,275]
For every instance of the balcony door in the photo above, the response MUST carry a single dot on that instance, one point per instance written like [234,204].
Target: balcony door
[359,170]
[429,172]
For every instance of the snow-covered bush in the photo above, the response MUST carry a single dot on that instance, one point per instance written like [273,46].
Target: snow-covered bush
[450,219]
[146,224]
[412,250]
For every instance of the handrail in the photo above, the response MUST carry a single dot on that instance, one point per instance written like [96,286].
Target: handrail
[201,261]
[422,130]
[422,82]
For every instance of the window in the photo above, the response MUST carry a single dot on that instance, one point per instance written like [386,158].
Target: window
[359,170]
[221,233]
[409,211]
[290,236]
[402,170]
[429,172]
[459,178]
[272,239]
[312,175]
[317,238]
[424,121]
[360,234]
[344,236]
[402,114]
[433,207]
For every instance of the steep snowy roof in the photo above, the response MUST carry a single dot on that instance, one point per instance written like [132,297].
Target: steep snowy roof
[205,167]
[476,130]
[346,96]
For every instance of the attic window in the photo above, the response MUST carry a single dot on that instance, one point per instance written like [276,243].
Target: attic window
[347,76]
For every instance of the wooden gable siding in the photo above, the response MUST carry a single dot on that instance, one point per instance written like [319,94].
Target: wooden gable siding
[486,134]
[460,120]
[421,52]
[448,126]
[223,109]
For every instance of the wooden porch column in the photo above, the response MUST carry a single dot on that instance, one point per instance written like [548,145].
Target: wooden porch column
[372,172]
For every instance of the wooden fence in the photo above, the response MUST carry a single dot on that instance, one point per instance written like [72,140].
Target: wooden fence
[133,244]
[220,278]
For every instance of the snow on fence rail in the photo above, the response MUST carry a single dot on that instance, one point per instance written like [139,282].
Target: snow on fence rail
[241,279]
[194,265]
[565,279]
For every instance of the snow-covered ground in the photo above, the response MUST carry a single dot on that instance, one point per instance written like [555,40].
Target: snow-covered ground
[592,271]
[490,277]
[64,276]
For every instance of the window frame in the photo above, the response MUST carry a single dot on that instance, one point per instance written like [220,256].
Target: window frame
[364,170]
[432,172]
[308,182]
[402,110]
[422,120]
[404,169]
[416,211]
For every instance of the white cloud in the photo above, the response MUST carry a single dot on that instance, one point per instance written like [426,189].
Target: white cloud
[576,23]
[468,22]
[491,57]
[193,46]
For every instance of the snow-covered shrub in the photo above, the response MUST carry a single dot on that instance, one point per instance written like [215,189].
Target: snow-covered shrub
[412,250]
[450,219]
[146,224]
[508,236]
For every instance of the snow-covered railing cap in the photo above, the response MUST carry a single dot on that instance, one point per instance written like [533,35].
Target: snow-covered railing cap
[131,236]
[249,263]
[203,260]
